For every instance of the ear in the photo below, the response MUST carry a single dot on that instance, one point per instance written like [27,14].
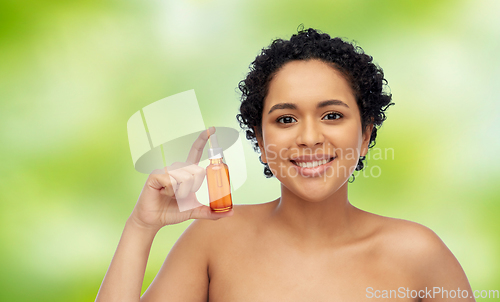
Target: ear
[260,141]
[366,139]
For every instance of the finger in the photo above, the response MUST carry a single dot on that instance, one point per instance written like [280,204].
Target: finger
[185,182]
[177,165]
[198,145]
[198,174]
[169,190]
[174,187]
[161,180]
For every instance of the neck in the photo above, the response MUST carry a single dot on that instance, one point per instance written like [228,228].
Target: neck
[315,222]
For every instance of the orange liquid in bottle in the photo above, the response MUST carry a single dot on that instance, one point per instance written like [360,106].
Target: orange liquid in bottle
[219,189]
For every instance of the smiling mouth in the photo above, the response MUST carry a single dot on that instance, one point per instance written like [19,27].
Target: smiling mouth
[312,164]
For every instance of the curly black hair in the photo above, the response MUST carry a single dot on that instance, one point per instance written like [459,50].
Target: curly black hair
[365,78]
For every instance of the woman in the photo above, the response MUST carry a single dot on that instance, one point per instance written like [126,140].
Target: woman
[311,105]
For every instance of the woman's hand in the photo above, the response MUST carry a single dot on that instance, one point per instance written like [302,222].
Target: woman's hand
[166,189]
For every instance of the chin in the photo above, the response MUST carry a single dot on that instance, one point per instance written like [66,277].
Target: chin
[316,197]
[315,194]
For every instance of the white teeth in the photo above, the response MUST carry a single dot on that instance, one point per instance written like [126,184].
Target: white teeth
[311,164]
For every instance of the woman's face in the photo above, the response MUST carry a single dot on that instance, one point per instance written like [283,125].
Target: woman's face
[311,129]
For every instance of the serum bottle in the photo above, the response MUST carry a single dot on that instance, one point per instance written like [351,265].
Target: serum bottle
[219,189]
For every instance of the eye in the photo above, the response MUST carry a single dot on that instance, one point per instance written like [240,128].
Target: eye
[286,119]
[333,116]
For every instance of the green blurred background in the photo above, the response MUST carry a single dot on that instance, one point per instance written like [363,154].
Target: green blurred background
[73,72]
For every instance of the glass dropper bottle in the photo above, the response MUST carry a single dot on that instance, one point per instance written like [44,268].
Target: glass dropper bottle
[219,188]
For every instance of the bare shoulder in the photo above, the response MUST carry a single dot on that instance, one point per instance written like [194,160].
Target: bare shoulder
[419,250]
[409,237]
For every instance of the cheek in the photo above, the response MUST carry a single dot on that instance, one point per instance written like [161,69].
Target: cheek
[275,153]
[347,141]
[277,142]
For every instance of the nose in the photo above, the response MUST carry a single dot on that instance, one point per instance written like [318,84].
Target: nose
[310,134]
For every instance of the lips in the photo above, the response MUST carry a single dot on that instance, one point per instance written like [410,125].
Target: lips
[312,165]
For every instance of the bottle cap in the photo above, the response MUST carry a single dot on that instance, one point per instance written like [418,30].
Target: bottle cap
[215,151]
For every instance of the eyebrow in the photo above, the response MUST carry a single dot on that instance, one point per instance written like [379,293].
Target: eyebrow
[320,105]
